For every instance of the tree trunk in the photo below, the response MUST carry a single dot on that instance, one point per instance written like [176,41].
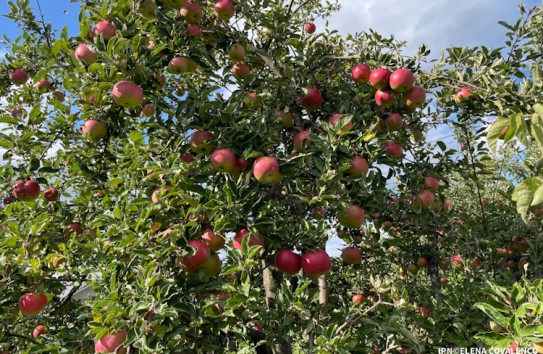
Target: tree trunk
[280,346]
[323,290]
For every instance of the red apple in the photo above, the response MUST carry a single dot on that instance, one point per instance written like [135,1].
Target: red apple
[286,118]
[191,12]
[241,70]
[299,140]
[51,194]
[287,261]
[431,183]
[310,28]
[194,30]
[266,170]
[104,28]
[224,9]
[463,95]
[316,263]
[414,98]
[42,86]
[384,98]
[361,73]
[312,98]
[214,241]
[258,326]
[17,111]
[447,206]
[85,55]
[200,143]
[237,52]
[127,94]
[148,110]
[359,166]
[476,262]
[38,331]
[351,217]
[379,78]
[76,228]
[191,263]
[7,200]
[443,279]
[30,304]
[351,255]
[393,150]
[253,240]
[110,342]
[187,157]
[252,101]
[520,244]
[181,65]
[212,266]
[424,199]
[424,311]
[18,77]
[394,122]
[358,299]
[94,129]
[223,160]
[401,80]
[422,262]
[26,191]
[241,164]
[335,118]
[59,96]
[457,261]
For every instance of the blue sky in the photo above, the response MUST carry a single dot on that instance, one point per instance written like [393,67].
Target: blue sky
[436,23]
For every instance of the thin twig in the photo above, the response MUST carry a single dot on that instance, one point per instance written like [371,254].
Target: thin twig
[32,340]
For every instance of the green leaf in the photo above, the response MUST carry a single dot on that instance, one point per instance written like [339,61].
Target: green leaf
[495,131]
[536,129]
[524,194]
[494,339]
[493,313]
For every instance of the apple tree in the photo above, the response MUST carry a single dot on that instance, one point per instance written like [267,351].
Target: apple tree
[173,173]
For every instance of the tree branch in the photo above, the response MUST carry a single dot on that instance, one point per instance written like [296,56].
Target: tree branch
[32,340]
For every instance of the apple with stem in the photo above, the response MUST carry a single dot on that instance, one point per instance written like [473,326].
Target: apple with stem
[310,28]
[191,263]
[30,304]
[316,263]
[223,160]
[26,191]
[299,140]
[110,342]
[241,70]
[51,195]
[401,80]
[127,94]
[181,65]
[212,266]
[85,55]
[94,129]
[394,122]
[287,261]
[358,299]
[312,99]
[379,78]
[351,255]
[384,98]
[224,9]
[393,150]
[191,12]
[213,240]
[253,240]
[361,73]
[200,142]
[351,217]
[104,28]
[359,166]
[38,331]
[18,77]
[266,170]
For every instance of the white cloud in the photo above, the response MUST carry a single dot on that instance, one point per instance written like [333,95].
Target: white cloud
[438,23]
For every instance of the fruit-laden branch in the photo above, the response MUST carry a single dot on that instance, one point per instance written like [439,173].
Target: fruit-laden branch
[32,340]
